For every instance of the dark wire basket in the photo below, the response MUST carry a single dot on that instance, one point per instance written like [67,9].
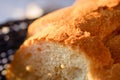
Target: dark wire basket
[12,35]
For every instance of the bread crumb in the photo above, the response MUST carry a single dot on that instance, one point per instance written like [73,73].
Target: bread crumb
[4,72]
[62,66]
[87,34]
[49,74]
[28,68]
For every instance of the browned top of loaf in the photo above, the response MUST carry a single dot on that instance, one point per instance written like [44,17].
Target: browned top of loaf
[77,15]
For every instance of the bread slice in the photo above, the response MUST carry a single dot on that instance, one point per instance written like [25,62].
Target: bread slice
[79,45]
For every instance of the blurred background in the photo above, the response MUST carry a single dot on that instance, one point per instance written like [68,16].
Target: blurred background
[15,17]
[20,9]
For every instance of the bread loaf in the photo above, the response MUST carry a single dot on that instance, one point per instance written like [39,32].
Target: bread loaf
[80,42]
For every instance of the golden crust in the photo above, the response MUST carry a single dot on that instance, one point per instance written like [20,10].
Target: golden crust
[114,45]
[88,27]
[40,24]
